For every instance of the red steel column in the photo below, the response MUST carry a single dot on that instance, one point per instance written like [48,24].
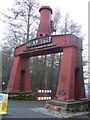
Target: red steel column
[79,79]
[15,75]
[19,65]
[70,85]
[25,77]
[67,75]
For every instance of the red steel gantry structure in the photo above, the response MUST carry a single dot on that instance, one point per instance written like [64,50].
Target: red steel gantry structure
[71,82]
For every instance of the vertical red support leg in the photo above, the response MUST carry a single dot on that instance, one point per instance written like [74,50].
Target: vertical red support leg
[25,77]
[79,79]
[20,67]
[71,83]
[65,88]
[13,83]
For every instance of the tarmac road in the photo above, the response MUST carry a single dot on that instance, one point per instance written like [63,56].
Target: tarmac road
[23,109]
[17,109]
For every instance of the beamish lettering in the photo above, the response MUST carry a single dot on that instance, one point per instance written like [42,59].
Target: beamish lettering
[39,42]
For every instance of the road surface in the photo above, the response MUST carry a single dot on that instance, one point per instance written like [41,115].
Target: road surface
[23,109]
[17,109]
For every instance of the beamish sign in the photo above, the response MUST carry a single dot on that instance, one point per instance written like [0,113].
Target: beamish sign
[39,42]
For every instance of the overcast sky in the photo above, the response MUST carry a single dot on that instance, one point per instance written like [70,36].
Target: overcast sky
[78,10]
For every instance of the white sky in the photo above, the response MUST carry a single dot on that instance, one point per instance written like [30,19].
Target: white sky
[78,10]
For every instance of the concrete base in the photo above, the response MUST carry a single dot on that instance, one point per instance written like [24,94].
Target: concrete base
[77,106]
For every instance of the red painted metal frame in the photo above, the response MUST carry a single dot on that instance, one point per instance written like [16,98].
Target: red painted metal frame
[71,73]
[71,82]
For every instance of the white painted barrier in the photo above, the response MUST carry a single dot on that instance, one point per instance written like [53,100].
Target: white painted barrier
[44,91]
[43,98]
[41,94]
[3,103]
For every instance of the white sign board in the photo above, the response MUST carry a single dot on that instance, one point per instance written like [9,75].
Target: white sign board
[3,103]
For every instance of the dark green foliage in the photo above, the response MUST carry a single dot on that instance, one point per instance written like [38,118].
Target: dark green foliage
[23,96]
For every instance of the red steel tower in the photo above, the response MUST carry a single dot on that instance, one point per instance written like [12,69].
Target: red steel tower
[45,18]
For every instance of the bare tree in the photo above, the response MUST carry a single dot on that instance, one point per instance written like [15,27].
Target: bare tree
[71,27]
[65,27]
[22,21]
[56,20]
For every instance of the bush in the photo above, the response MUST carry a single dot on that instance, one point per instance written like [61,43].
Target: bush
[22,96]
